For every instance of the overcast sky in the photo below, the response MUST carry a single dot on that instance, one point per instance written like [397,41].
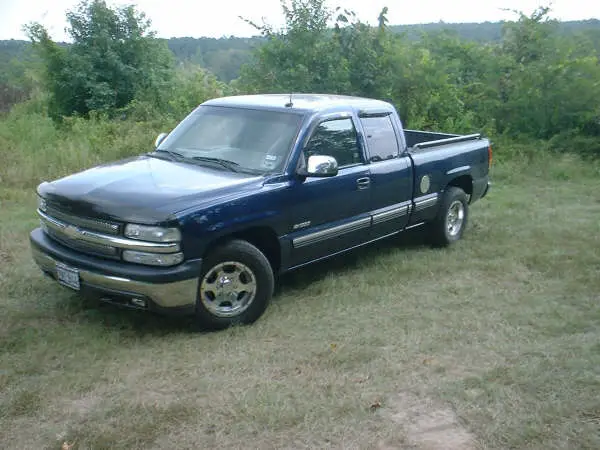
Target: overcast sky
[216,18]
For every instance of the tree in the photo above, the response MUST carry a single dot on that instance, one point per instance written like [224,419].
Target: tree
[301,57]
[551,84]
[113,59]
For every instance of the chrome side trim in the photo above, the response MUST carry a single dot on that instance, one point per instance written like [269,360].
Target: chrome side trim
[332,232]
[458,170]
[341,252]
[416,225]
[391,214]
[73,232]
[425,202]
[179,293]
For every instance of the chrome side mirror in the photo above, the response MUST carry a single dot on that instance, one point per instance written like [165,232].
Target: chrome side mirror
[320,166]
[161,137]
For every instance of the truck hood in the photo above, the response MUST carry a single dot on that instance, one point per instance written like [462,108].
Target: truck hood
[144,189]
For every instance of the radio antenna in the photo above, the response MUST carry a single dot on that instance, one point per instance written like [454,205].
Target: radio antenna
[290,103]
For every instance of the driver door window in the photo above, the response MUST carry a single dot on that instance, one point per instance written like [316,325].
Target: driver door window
[337,138]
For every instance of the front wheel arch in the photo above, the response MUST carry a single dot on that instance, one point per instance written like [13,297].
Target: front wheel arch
[221,288]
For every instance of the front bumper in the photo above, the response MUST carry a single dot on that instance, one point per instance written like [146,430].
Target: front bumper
[168,290]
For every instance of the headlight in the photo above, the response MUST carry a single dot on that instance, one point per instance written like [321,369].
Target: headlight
[152,234]
[152,259]
[42,204]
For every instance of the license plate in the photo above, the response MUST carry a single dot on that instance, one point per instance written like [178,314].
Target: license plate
[67,276]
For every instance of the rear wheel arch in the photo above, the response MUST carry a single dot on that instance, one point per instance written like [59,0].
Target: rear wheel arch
[449,224]
[464,182]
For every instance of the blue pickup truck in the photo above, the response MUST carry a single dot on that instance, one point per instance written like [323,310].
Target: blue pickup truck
[246,188]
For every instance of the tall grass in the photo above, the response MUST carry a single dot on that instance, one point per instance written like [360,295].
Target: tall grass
[33,148]
[492,343]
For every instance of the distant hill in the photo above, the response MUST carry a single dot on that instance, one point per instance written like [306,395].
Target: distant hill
[224,56]
[486,31]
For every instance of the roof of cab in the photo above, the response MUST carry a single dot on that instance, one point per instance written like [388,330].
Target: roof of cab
[301,102]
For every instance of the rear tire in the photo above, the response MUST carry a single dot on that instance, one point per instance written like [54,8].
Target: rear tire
[235,286]
[451,220]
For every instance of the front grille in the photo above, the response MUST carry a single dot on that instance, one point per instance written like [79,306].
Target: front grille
[61,233]
[99,225]
[85,247]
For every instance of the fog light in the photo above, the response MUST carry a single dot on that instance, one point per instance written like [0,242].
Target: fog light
[153,259]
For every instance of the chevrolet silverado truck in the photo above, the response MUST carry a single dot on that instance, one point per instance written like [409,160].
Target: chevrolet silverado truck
[246,188]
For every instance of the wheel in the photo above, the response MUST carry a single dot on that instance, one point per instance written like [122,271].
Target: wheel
[235,286]
[451,220]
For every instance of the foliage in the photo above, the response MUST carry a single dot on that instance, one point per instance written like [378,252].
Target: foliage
[301,57]
[189,86]
[225,56]
[114,58]
[34,149]
[552,83]
[18,78]
[538,79]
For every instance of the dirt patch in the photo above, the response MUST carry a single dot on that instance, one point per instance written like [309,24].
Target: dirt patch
[428,425]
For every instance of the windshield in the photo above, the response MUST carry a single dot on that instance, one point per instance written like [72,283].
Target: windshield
[247,139]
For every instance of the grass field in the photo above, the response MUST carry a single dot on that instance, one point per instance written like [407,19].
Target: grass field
[492,343]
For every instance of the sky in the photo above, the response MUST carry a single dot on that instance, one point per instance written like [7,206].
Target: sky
[217,18]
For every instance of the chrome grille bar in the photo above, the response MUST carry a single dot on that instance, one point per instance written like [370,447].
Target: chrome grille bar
[102,226]
[86,247]
[71,232]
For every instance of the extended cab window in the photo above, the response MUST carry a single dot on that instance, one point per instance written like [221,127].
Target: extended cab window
[337,138]
[381,137]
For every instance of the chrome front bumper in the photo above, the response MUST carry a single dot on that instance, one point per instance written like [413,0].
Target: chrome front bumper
[180,295]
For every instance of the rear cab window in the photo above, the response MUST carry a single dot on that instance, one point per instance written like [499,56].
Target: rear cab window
[380,137]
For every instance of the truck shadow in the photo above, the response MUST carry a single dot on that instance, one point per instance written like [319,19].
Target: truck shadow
[136,324]
[410,240]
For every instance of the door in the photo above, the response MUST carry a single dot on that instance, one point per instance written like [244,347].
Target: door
[331,214]
[391,175]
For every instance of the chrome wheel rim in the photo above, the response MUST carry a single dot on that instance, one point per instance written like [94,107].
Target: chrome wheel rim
[228,289]
[455,218]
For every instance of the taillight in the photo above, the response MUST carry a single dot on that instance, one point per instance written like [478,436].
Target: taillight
[489,156]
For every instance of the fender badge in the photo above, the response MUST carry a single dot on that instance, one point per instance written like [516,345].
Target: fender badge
[297,226]
[425,184]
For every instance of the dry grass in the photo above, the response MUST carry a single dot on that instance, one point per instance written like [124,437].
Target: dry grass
[493,343]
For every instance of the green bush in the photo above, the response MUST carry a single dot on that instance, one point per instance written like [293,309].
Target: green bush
[33,148]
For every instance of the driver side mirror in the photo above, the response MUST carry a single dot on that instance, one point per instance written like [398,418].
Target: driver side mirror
[320,166]
[161,137]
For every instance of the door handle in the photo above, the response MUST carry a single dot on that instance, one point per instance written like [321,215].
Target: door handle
[363,183]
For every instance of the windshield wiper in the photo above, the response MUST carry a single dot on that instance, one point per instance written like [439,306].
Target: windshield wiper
[174,156]
[231,165]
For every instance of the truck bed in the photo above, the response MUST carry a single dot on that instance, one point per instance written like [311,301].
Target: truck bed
[416,139]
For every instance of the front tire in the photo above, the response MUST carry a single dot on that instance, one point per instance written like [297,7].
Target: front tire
[235,286]
[451,220]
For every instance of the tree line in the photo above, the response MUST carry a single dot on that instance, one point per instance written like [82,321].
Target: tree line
[539,79]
